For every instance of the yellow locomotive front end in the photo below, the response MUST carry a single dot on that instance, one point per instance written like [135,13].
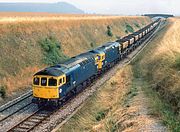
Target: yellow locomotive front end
[47,87]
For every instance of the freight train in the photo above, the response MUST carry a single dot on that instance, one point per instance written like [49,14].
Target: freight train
[53,85]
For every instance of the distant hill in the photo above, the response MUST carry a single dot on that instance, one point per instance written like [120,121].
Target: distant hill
[60,7]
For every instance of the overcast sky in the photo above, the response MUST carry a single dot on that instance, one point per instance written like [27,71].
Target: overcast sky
[123,7]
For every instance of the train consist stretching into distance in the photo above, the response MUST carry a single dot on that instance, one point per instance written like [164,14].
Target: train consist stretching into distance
[55,84]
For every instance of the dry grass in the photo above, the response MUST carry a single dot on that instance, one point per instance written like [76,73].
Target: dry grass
[22,79]
[157,66]
[39,17]
[159,63]
[20,50]
[108,100]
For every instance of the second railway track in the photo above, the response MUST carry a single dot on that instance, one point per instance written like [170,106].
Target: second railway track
[15,101]
[31,121]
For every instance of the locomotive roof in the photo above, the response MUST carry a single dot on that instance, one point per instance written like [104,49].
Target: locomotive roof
[73,61]
[109,44]
[80,59]
[58,69]
[50,71]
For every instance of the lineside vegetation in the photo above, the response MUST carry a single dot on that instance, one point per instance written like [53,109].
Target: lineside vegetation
[158,68]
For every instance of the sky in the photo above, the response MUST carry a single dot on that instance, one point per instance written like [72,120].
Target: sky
[122,7]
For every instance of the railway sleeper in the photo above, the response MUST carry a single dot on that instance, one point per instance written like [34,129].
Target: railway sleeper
[20,130]
[38,117]
[23,126]
[33,120]
[42,115]
[29,123]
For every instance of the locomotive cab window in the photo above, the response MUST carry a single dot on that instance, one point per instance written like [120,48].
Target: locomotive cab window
[99,57]
[43,81]
[63,79]
[60,81]
[68,79]
[36,81]
[102,57]
[52,82]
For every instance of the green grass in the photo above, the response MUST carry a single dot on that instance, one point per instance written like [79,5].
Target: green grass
[52,51]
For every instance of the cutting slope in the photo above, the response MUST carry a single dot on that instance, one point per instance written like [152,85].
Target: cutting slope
[21,53]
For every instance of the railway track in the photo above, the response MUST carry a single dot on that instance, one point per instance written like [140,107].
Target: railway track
[40,115]
[32,120]
[14,112]
[14,107]
[15,101]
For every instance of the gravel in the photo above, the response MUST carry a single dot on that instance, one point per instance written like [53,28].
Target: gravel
[16,118]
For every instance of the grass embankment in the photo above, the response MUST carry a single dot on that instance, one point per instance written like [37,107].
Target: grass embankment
[103,111]
[28,43]
[158,69]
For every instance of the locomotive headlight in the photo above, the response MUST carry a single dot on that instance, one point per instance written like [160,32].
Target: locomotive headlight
[60,91]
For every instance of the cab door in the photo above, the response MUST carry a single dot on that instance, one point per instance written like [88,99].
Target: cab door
[99,60]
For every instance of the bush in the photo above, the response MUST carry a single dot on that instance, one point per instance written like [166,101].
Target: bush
[3,91]
[100,115]
[126,31]
[109,32]
[92,44]
[129,28]
[52,51]
[137,25]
